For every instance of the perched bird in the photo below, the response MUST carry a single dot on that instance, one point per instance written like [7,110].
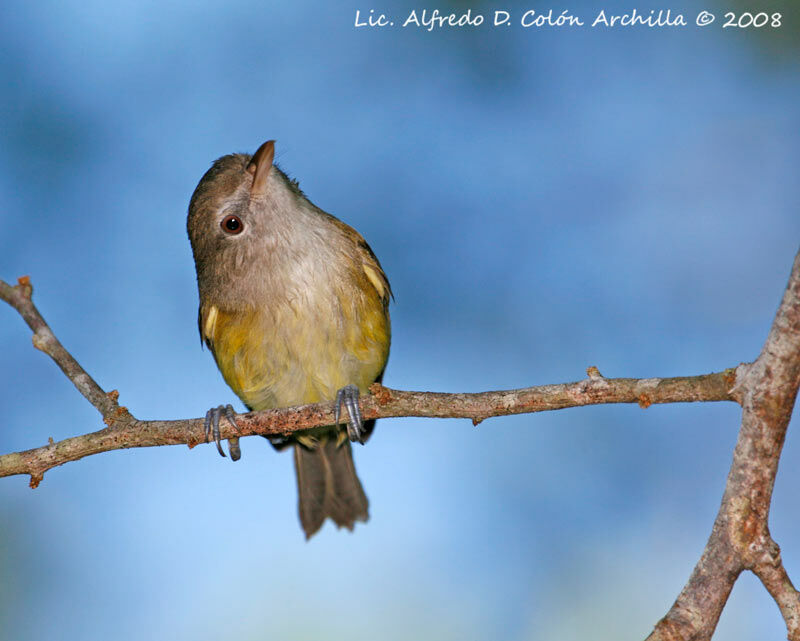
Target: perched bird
[294,308]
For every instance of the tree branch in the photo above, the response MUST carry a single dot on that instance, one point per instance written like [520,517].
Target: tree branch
[125,431]
[19,297]
[384,403]
[740,539]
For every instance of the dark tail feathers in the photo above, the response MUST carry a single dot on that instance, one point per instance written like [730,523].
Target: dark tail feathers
[328,486]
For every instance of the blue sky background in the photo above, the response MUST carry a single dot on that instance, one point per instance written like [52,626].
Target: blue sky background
[542,201]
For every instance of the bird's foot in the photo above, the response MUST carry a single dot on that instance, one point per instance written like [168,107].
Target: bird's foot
[348,396]
[211,425]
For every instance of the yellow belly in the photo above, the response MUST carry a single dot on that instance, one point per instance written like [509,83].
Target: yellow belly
[294,354]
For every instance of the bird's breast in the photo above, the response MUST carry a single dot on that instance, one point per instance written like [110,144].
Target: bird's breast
[300,341]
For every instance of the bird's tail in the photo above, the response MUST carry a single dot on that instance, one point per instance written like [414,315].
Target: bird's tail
[328,486]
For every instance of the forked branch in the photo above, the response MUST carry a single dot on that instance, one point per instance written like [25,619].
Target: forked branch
[740,539]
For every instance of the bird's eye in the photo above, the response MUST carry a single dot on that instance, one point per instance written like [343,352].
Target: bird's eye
[232,225]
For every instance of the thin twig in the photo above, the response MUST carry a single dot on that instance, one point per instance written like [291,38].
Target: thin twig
[383,403]
[124,431]
[19,297]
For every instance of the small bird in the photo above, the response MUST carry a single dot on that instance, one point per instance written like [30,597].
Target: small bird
[294,308]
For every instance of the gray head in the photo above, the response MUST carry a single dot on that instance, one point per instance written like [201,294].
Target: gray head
[253,233]
[231,221]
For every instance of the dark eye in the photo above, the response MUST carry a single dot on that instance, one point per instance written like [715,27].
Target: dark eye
[232,225]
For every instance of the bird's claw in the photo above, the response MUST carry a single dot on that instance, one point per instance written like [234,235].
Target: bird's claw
[211,426]
[348,396]
[233,448]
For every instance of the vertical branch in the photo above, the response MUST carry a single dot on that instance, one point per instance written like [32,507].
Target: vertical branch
[740,539]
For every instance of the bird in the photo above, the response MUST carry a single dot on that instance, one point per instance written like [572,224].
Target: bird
[294,307]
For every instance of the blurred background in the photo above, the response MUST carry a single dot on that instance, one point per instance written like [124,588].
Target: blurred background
[542,200]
